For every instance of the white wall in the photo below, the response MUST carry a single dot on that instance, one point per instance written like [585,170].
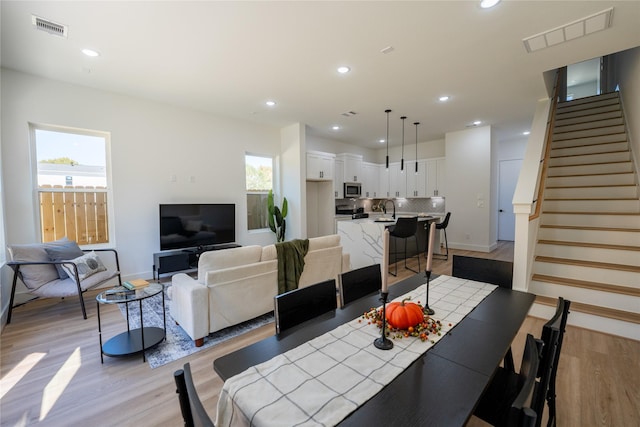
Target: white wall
[149,142]
[426,150]
[293,178]
[469,166]
[315,143]
[628,68]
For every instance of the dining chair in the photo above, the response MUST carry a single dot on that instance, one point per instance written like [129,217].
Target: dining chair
[508,398]
[404,229]
[193,413]
[358,283]
[496,272]
[562,312]
[442,225]
[302,304]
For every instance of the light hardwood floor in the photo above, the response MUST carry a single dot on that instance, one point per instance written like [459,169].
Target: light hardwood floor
[51,373]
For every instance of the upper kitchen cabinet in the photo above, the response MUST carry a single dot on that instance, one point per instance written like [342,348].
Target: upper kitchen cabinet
[397,180]
[436,177]
[320,166]
[370,180]
[338,182]
[352,164]
[416,181]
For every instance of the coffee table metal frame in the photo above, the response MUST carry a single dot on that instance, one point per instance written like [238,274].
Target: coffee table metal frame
[133,340]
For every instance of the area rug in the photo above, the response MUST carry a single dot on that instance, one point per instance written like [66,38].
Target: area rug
[178,344]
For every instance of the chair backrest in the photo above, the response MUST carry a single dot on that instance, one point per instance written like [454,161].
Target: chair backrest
[562,312]
[444,223]
[360,282]
[193,413]
[302,304]
[520,412]
[491,271]
[405,227]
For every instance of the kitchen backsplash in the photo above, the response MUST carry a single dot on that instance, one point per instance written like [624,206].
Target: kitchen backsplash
[427,205]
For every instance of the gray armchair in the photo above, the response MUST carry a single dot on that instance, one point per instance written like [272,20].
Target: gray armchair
[59,269]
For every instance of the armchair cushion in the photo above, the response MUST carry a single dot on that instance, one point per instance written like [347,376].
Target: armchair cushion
[65,251]
[34,276]
[88,265]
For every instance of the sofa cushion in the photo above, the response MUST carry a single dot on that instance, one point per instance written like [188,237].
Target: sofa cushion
[321,265]
[63,252]
[324,242]
[234,257]
[88,265]
[34,276]
[269,253]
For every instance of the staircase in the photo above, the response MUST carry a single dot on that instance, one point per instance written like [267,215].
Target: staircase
[588,247]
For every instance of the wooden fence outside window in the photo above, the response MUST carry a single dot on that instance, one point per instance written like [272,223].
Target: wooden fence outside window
[78,212]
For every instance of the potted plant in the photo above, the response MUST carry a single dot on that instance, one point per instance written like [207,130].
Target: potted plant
[277,223]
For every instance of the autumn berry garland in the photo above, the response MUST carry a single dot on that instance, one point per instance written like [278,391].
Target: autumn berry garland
[405,319]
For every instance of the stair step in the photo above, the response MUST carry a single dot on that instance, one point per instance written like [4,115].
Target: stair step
[613,179]
[590,140]
[631,205]
[588,103]
[591,169]
[608,130]
[603,287]
[592,192]
[591,219]
[606,147]
[590,158]
[597,123]
[612,313]
[608,112]
[620,274]
[609,253]
[626,237]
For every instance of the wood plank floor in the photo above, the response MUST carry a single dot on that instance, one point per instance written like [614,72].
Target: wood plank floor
[51,375]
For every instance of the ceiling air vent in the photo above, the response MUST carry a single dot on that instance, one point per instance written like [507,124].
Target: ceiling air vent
[49,26]
[349,113]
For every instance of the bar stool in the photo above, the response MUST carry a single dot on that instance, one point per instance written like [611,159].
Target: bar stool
[443,226]
[405,228]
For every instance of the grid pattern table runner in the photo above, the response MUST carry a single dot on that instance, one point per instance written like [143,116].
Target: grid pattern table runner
[322,381]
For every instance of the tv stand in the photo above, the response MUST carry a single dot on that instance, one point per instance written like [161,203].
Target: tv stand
[183,260]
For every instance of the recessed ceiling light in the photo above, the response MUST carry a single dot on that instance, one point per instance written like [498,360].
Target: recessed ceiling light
[381,141]
[486,4]
[526,132]
[90,52]
[335,127]
[343,69]
[477,122]
[443,98]
[270,103]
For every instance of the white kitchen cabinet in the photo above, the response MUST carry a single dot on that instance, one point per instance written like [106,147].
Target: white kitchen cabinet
[320,166]
[338,181]
[436,177]
[370,180]
[397,181]
[416,182]
[383,182]
[352,167]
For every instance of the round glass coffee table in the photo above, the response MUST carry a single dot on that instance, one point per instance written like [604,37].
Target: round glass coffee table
[133,340]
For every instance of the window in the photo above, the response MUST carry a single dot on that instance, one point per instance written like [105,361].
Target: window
[73,185]
[259,178]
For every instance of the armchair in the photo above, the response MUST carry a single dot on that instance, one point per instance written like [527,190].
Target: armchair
[45,273]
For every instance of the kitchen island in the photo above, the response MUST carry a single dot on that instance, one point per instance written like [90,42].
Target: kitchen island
[362,239]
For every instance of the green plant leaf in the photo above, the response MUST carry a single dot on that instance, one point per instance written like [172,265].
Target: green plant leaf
[285,207]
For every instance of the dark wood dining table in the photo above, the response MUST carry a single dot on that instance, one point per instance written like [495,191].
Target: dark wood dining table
[442,387]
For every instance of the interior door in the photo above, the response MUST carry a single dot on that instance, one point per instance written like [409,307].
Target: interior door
[508,172]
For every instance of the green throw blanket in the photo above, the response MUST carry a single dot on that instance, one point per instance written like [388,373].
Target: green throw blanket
[290,263]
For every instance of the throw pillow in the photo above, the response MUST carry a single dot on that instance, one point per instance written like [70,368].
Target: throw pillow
[66,251]
[35,276]
[88,264]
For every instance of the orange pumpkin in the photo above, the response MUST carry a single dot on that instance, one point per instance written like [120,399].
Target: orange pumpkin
[402,315]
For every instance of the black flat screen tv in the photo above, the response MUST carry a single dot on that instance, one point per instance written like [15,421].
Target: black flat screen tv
[192,225]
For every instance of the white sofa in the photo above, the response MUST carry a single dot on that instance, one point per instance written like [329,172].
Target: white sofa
[236,285]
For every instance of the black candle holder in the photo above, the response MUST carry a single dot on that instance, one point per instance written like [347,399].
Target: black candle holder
[427,309]
[383,343]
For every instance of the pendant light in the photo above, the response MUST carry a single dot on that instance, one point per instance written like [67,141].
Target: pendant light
[416,125]
[403,118]
[387,111]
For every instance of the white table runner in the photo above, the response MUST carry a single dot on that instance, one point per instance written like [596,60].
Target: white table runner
[322,381]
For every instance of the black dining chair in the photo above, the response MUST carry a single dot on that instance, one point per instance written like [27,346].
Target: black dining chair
[193,413]
[358,283]
[299,305]
[496,272]
[442,225]
[507,400]
[404,229]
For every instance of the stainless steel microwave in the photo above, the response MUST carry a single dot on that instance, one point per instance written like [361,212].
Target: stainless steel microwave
[352,189]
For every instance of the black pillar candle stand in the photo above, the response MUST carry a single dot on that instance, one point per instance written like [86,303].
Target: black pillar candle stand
[426,308]
[384,343]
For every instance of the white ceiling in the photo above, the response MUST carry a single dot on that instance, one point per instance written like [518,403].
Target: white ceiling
[228,58]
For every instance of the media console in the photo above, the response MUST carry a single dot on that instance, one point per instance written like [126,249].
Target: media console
[183,259]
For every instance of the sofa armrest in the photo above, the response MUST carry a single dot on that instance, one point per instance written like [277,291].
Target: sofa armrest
[190,305]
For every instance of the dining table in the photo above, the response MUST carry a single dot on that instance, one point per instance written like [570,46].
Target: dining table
[442,386]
